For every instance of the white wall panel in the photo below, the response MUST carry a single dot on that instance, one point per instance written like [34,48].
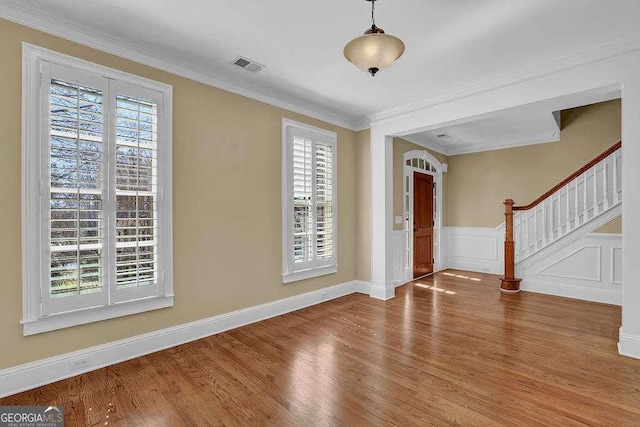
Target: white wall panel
[475,249]
[589,268]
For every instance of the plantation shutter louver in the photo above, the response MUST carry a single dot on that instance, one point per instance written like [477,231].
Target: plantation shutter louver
[310,184]
[136,192]
[75,134]
[303,228]
[324,201]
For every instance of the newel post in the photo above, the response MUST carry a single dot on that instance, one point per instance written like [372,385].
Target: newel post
[508,283]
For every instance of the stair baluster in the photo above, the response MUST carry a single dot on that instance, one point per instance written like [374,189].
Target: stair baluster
[546,225]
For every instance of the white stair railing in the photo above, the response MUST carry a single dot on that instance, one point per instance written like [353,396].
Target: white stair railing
[584,196]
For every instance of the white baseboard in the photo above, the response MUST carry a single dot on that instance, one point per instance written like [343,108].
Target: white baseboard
[30,375]
[363,287]
[383,292]
[477,267]
[570,291]
[629,345]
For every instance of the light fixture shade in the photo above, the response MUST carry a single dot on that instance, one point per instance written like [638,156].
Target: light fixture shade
[374,51]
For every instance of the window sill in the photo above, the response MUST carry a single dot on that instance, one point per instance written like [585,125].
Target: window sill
[308,274]
[94,314]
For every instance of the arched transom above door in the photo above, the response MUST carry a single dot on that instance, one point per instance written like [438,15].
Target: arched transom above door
[421,164]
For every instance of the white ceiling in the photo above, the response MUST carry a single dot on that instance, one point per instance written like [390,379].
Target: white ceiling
[451,44]
[529,124]
[514,127]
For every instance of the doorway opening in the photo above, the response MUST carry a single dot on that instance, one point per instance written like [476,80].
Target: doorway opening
[422,224]
[422,214]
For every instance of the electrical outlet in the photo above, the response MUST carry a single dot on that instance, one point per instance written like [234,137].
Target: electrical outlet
[78,364]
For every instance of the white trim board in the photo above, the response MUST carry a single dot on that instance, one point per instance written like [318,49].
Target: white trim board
[628,345]
[604,296]
[30,375]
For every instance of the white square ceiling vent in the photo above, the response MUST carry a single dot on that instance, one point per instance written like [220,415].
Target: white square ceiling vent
[247,64]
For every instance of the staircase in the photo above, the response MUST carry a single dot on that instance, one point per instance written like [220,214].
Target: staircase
[580,204]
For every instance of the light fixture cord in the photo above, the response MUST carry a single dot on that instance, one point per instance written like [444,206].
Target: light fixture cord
[373,16]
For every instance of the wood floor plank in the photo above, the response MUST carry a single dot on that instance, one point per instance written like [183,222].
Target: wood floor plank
[450,349]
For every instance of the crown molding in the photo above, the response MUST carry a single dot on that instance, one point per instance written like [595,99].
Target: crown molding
[362,124]
[119,47]
[88,37]
[455,150]
[426,142]
[604,51]
[542,138]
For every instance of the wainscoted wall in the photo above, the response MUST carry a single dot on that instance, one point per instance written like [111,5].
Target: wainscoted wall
[474,248]
[589,268]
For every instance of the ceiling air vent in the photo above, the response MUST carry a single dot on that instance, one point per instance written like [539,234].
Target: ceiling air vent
[247,64]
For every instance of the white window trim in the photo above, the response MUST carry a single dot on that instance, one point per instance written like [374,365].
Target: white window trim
[290,275]
[33,322]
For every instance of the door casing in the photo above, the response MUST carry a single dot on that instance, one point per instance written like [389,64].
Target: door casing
[431,166]
[423,224]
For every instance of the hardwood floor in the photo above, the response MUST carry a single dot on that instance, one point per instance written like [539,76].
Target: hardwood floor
[462,353]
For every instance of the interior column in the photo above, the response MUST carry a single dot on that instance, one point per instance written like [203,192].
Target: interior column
[629,342]
[381,215]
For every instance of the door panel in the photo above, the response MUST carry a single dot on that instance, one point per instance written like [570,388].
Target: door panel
[422,224]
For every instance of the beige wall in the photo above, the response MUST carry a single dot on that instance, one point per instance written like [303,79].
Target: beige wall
[614,226]
[401,146]
[226,203]
[478,183]
[363,228]
[216,135]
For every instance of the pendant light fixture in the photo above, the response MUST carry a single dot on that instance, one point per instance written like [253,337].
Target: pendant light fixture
[374,50]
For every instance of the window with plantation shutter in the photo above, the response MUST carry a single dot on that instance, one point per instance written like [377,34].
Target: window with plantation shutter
[309,202]
[76,123]
[136,190]
[97,192]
